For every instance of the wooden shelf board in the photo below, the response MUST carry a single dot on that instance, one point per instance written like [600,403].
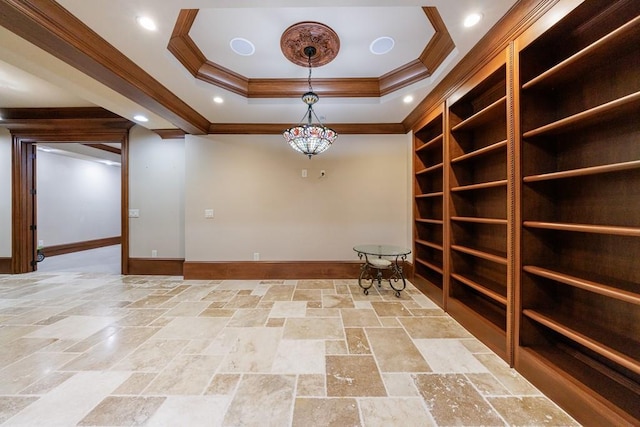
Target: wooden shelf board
[481,185]
[484,115]
[601,48]
[477,220]
[429,195]
[484,150]
[601,341]
[430,144]
[585,228]
[489,290]
[430,221]
[430,169]
[593,170]
[431,266]
[588,285]
[429,244]
[484,254]
[589,117]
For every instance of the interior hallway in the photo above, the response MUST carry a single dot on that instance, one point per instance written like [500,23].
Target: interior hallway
[110,350]
[100,260]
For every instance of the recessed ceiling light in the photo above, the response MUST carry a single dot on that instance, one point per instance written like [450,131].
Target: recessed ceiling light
[381,45]
[407,99]
[146,23]
[140,118]
[242,46]
[472,19]
[218,100]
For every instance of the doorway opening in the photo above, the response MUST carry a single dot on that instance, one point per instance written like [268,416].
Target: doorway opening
[82,125]
[78,207]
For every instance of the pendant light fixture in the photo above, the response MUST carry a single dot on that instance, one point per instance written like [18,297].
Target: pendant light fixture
[309,138]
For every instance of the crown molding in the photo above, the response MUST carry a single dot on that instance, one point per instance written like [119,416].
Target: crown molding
[186,51]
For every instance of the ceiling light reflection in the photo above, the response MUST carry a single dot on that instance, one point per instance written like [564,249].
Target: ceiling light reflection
[472,19]
[146,23]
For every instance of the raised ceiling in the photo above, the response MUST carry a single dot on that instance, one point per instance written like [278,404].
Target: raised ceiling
[155,83]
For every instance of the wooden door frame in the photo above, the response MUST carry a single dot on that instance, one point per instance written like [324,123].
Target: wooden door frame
[82,125]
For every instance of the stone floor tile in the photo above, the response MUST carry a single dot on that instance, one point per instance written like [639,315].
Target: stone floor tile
[530,410]
[453,401]
[262,397]
[122,411]
[106,349]
[395,351]
[389,411]
[353,376]
[326,412]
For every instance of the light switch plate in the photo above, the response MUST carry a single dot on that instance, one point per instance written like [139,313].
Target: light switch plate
[208,213]
[134,213]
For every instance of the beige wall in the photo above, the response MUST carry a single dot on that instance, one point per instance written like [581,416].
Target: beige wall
[262,204]
[5,193]
[260,201]
[156,188]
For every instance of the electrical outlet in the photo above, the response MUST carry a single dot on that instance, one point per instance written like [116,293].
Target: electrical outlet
[208,213]
[154,253]
[40,242]
[134,213]
[256,256]
[304,173]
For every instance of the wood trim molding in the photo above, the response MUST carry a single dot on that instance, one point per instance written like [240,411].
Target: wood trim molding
[277,128]
[67,248]
[5,266]
[52,28]
[22,243]
[156,266]
[255,270]
[105,147]
[66,124]
[520,17]
[182,46]
[170,133]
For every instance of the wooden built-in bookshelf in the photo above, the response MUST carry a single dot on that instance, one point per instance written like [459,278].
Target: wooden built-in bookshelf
[429,209]
[478,205]
[527,218]
[580,283]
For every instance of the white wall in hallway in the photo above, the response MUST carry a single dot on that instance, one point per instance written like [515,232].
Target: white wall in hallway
[77,199]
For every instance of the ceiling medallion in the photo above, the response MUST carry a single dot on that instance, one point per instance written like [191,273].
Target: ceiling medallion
[299,36]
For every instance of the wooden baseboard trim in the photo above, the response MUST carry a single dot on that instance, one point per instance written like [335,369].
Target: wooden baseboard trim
[5,266]
[256,270]
[67,248]
[156,266]
[585,405]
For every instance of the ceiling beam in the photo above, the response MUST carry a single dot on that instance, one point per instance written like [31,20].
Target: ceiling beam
[52,28]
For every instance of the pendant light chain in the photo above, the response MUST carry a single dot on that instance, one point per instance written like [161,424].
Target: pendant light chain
[310,88]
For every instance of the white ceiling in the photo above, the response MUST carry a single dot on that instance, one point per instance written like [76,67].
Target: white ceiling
[30,77]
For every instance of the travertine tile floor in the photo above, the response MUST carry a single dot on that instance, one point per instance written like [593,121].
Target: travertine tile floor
[93,349]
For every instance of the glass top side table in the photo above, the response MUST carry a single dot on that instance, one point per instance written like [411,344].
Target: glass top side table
[377,259]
